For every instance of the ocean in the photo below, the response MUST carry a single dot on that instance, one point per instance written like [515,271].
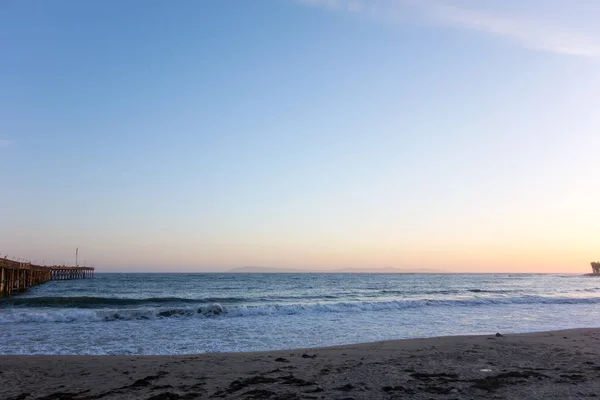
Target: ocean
[198,313]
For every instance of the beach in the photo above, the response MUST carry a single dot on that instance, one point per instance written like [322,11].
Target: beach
[544,365]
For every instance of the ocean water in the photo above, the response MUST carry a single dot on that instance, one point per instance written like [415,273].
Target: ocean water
[197,313]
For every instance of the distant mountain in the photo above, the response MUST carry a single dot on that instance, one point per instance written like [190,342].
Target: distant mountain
[384,270]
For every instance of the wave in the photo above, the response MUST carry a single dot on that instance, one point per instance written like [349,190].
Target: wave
[216,310]
[490,291]
[99,302]
[448,291]
[111,302]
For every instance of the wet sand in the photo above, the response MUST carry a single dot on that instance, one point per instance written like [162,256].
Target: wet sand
[546,365]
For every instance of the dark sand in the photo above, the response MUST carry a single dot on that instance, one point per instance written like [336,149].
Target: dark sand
[547,365]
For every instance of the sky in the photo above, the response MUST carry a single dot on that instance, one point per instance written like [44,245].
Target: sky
[460,135]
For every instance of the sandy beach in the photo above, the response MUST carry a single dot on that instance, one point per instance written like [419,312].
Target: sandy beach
[545,365]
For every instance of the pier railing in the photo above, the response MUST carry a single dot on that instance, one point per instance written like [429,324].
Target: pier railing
[18,276]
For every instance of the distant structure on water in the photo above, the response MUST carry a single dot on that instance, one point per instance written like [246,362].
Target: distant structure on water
[595,267]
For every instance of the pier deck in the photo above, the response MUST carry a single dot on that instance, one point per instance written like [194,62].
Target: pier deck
[18,276]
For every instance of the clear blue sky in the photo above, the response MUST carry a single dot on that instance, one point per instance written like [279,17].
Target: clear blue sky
[203,135]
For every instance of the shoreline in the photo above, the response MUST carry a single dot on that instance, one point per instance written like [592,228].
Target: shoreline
[553,364]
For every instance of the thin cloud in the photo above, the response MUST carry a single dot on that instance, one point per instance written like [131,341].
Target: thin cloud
[4,143]
[537,33]
[530,33]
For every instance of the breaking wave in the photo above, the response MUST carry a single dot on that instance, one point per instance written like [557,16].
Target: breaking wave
[112,302]
[216,310]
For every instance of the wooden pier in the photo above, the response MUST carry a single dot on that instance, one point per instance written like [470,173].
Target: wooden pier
[16,276]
